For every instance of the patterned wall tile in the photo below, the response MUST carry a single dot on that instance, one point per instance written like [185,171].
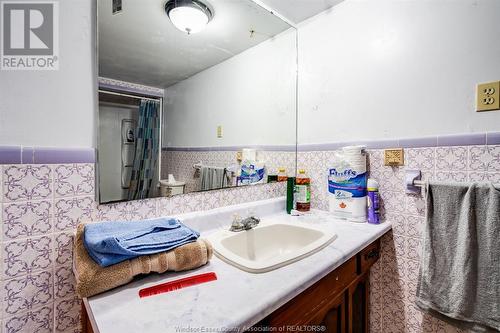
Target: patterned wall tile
[484,158]
[476,176]
[410,290]
[375,159]
[393,315]
[415,205]
[128,211]
[26,182]
[389,178]
[414,319]
[411,269]
[451,158]
[414,226]
[26,219]
[460,176]
[400,245]
[413,249]
[376,292]
[391,202]
[399,226]
[108,212]
[278,190]
[63,245]
[27,292]
[24,256]
[181,204]
[493,177]
[494,152]
[73,179]
[212,200]
[69,212]
[232,196]
[67,315]
[420,158]
[64,282]
[38,320]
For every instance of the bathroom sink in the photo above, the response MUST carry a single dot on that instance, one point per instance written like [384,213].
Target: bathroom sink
[270,245]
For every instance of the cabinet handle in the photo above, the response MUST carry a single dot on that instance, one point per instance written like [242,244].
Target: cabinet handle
[374,253]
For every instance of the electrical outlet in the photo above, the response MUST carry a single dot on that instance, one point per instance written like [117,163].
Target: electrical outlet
[394,157]
[488,96]
[219,131]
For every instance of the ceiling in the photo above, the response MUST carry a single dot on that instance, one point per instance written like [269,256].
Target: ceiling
[299,10]
[140,44]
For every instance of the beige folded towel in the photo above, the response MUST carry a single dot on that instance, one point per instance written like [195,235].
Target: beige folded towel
[92,279]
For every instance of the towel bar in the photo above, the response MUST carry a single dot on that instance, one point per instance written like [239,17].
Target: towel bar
[411,179]
[421,183]
[199,166]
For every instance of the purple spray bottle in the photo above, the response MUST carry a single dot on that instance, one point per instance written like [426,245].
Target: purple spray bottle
[373,202]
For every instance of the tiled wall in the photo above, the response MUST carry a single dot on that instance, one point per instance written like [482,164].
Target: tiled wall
[393,278]
[41,204]
[180,163]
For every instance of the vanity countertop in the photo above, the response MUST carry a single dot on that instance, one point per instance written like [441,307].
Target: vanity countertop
[237,300]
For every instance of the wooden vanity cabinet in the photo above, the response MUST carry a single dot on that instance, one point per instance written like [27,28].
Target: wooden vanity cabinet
[338,303]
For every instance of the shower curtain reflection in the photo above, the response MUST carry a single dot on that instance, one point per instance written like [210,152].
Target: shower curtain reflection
[144,177]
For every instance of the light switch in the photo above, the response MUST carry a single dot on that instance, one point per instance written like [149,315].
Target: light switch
[219,131]
[394,157]
[488,96]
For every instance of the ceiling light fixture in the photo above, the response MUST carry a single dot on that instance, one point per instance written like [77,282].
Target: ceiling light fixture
[190,16]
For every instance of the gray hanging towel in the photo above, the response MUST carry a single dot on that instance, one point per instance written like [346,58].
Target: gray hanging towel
[212,178]
[459,278]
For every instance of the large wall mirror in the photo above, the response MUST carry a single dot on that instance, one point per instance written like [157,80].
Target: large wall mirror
[194,95]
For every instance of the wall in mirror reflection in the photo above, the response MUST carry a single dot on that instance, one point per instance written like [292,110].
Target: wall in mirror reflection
[190,167]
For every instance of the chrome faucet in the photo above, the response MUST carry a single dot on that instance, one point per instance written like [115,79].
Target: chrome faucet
[240,224]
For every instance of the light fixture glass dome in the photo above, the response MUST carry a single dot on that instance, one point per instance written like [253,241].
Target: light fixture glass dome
[190,16]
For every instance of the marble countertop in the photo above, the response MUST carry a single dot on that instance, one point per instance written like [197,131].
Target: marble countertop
[237,299]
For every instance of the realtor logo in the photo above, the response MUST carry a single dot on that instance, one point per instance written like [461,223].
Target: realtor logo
[30,39]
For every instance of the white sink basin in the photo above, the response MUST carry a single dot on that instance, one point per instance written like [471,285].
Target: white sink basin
[269,245]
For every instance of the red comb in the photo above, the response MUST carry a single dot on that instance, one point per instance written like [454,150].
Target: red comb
[177,284]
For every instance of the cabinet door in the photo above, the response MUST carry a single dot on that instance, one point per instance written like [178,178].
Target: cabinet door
[358,302]
[334,319]
[316,300]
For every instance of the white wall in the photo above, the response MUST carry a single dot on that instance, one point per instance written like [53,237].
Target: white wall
[111,149]
[252,95]
[393,68]
[55,108]
[373,69]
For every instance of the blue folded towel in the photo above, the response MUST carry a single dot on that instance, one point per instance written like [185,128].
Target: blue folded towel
[109,243]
